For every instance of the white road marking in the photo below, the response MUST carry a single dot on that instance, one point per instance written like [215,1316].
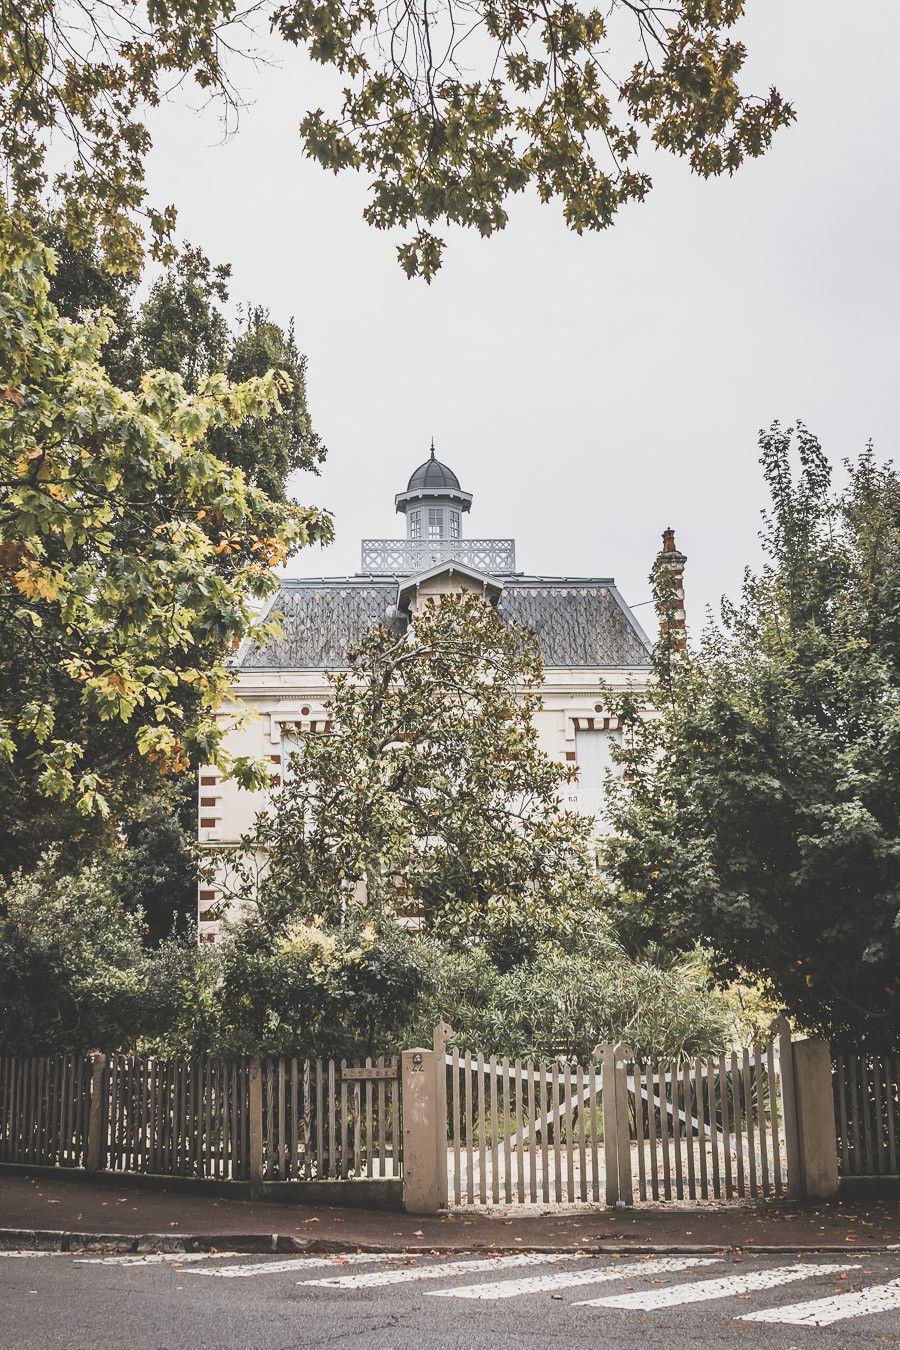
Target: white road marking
[373,1279]
[822,1312]
[26,1255]
[153,1258]
[569,1279]
[699,1291]
[299,1263]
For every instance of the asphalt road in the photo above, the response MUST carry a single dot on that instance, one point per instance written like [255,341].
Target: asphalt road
[374,1302]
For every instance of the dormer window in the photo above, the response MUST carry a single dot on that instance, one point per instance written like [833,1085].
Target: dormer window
[415,524]
[454,525]
[435,522]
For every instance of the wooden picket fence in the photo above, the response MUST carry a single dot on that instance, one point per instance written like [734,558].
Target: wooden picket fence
[716,1127]
[245,1119]
[708,1128]
[324,1120]
[867,1110]
[44,1108]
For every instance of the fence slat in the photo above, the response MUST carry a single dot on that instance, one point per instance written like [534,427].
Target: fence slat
[762,1129]
[532,1127]
[890,1082]
[852,1081]
[713,1121]
[738,1132]
[880,1144]
[579,1129]
[370,1126]
[701,1074]
[470,1169]
[495,1131]
[556,1124]
[454,1098]
[595,1142]
[332,1170]
[482,1141]
[520,1125]
[689,1130]
[777,1179]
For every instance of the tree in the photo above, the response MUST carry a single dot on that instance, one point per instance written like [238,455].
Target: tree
[428,795]
[449,109]
[181,327]
[762,805]
[132,559]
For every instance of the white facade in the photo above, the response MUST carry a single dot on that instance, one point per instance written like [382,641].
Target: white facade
[583,620]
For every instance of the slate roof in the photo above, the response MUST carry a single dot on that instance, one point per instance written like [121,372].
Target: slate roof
[432,474]
[579,622]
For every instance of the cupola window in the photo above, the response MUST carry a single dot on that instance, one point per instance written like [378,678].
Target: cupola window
[454,524]
[435,522]
[415,524]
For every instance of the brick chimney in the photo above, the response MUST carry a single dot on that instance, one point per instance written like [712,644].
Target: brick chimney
[668,573]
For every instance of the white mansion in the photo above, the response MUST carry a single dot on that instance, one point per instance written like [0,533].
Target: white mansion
[587,634]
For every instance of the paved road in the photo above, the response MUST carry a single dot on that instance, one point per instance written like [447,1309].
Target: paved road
[369,1302]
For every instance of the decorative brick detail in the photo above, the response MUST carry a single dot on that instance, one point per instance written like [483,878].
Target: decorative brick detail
[207,937]
[208,780]
[208,801]
[570,754]
[207,895]
[207,823]
[276,759]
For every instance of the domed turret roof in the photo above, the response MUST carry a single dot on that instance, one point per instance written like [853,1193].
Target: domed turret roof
[433,474]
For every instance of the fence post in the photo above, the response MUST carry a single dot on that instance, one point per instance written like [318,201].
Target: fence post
[607,1055]
[421,1184]
[623,1128]
[94,1150]
[781,1028]
[443,1032]
[816,1127]
[255,1104]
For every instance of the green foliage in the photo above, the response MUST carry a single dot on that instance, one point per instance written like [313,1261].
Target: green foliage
[350,990]
[448,111]
[564,1001]
[155,862]
[761,816]
[181,327]
[132,559]
[429,794]
[73,971]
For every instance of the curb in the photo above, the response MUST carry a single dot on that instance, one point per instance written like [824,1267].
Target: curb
[59,1240]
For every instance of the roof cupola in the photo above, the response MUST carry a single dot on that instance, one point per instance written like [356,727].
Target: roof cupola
[433,502]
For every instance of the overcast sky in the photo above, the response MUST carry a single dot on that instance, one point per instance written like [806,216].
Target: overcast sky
[588,391]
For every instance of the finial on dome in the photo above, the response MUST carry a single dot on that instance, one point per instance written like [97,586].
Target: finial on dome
[432,447]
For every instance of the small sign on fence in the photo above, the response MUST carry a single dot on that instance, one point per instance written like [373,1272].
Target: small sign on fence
[370,1075]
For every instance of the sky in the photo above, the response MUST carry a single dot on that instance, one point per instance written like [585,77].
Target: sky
[588,391]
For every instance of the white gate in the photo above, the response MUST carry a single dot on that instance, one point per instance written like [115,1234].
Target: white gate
[716,1127]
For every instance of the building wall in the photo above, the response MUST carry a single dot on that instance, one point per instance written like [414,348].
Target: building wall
[271,699]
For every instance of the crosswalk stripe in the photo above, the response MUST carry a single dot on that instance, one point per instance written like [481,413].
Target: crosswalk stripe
[570,1279]
[298,1263]
[699,1291]
[153,1258]
[373,1279]
[822,1312]
[29,1255]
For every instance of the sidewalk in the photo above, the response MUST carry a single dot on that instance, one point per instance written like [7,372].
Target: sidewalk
[39,1204]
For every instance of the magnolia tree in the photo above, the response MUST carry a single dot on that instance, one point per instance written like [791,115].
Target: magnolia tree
[428,794]
[760,811]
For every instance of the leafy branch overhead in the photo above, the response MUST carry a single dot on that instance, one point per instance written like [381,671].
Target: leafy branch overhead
[449,106]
